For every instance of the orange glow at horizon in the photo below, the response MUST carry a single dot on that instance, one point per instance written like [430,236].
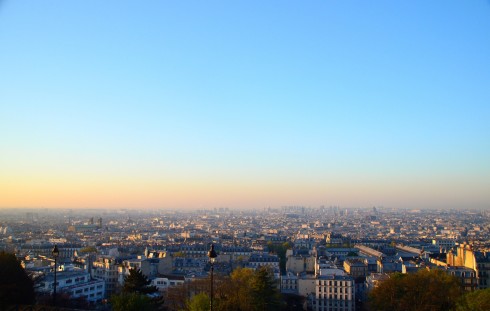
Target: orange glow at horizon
[205,193]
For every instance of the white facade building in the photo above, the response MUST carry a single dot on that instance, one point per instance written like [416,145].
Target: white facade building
[334,293]
[75,283]
[105,268]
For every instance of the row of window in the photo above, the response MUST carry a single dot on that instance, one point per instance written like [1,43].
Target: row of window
[335,283]
[336,289]
[335,296]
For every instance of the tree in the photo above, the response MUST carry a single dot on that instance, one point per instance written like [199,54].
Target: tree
[244,290]
[234,292]
[131,302]
[199,302]
[137,282]
[64,300]
[15,285]
[265,295]
[424,290]
[293,302]
[280,250]
[248,290]
[176,297]
[478,300]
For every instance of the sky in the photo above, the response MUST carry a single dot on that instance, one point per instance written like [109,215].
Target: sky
[244,104]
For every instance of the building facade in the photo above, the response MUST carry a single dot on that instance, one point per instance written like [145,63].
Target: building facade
[334,293]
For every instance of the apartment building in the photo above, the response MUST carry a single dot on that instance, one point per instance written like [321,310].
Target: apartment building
[334,293]
[75,283]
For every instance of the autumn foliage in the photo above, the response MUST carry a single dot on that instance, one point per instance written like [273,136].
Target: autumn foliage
[424,290]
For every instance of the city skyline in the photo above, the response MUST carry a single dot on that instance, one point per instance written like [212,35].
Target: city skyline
[245,104]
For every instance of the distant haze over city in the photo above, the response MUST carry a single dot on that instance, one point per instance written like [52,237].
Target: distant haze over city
[244,104]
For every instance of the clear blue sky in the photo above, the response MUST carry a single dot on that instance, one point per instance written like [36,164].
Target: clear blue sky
[244,103]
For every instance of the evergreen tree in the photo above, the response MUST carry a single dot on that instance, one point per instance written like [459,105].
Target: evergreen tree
[265,295]
[280,251]
[15,285]
[244,290]
[137,282]
[131,302]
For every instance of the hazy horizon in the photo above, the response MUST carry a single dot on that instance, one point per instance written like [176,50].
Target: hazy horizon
[244,104]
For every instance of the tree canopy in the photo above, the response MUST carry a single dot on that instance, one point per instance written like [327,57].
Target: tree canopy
[137,282]
[134,298]
[264,293]
[280,250]
[247,289]
[244,290]
[131,302]
[478,300]
[199,302]
[425,290]
[15,285]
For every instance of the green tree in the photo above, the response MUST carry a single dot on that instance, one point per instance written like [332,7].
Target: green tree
[265,295]
[131,302]
[137,282]
[478,300]
[424,290]
[15,285]
[244,290]
[234,293]
[280,251]
[199,302]
[248,290]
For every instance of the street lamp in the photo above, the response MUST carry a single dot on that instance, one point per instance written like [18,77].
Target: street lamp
[55,252]
[212,258]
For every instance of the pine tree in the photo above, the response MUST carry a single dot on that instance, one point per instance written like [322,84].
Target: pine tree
[265,295]
[137,282]
[131,302]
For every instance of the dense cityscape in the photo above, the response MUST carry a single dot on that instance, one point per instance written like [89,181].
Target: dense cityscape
[328,258]
[249,155]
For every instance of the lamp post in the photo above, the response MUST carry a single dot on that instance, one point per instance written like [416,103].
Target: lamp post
[55,252]
[212,258]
